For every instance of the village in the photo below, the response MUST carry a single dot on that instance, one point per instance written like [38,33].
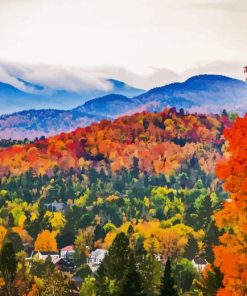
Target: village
[64,260]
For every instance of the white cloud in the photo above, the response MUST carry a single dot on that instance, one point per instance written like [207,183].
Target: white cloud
[95,78]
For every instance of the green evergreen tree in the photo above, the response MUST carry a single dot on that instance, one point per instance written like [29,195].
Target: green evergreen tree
[211,239]
[184,274]
[132,282]
[114,265]
[8,267]
[167,282]
[15,239]
[99,233]
[135,168]
[191,248]
[130,230]
[149,268]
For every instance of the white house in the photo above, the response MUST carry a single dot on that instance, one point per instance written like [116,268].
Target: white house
[95,258]
[39,255]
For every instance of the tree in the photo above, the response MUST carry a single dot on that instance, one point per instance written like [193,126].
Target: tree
[15,239]
[45,242]
[211,240]
[149,268]
[87,288]
[211,281]
[3,232]
[184,274]
[8,267]
[135,168]
[167,283]
[132,282]
[231,255]
[113,268]
[42,268]
[99,233]
[11,221]
[57,284]
[191,248]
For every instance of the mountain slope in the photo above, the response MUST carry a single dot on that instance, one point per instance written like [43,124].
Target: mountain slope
[161,141]
[38,97]
[213,92]
[204,93]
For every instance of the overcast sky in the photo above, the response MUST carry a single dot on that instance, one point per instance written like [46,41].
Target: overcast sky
[145,42]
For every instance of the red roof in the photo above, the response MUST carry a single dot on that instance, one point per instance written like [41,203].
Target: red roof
[68,248]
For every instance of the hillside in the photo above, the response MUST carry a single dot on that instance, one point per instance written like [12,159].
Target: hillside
[147,178]
[204,93]
[162,142]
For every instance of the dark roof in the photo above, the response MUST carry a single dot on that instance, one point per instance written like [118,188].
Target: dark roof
[200,260]
[28,250]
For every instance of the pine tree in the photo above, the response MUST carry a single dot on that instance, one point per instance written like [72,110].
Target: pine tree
[132,282]
[135,168]
[98,233]
[149,268]
[8,267]
[211,239]
[191,248]
[15,239]
[167,282]
[114,265]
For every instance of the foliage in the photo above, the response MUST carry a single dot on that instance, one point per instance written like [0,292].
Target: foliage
[167,282]
[45,242]
[8,267]
[88,288]
[231,254]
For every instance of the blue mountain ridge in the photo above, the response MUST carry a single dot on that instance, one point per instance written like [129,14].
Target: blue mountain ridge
[14,100]
[206,93]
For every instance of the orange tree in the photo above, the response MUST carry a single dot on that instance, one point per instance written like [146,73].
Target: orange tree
[45,242]
[231,254]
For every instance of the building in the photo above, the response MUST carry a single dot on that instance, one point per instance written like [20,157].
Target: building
[39,255]
[199,263]
[57,207]
[67,252]
[95,258]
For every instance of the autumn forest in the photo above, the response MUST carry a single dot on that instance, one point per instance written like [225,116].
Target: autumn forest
[163,194]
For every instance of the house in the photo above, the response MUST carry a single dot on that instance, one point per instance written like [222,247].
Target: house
[39,255]
[95,258]
[199,263]
[67,252]
[57,207]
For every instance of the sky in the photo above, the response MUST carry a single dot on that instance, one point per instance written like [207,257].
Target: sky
[143,42]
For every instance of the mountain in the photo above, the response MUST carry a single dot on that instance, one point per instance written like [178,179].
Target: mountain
[39,97]
[204,93]
[212,92]
[45,122]
[109,106]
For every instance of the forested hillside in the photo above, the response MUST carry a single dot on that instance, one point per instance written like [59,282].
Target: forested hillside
[142,184]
